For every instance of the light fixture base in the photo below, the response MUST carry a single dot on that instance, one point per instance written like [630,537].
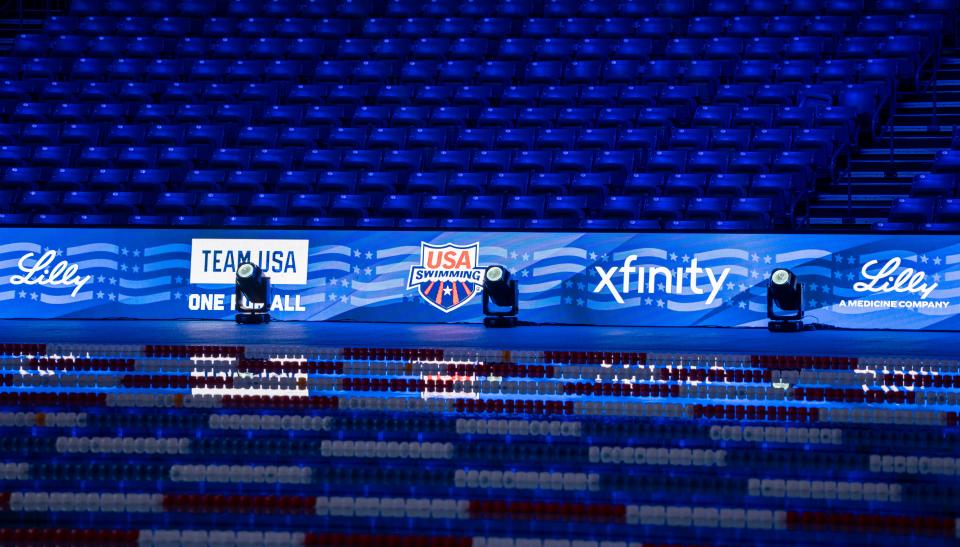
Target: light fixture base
[786,326]
[500,322]
[252,318]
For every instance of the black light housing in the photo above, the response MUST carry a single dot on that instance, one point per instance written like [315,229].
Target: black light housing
[502,292]
[784,302]
[254,288]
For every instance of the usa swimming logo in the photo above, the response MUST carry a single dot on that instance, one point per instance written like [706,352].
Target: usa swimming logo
[448,276]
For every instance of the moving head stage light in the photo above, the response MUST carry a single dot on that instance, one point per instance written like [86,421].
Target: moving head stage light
[784,302]
[252,294]
[503,292]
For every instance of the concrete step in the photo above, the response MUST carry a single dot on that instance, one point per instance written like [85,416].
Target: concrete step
[916,120]
[882,164]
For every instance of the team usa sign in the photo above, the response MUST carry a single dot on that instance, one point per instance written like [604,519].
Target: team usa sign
[662,279]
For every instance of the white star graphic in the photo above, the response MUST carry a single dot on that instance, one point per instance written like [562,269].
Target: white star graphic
[526,257]
[730,286]
[936,278]
[673,257]
[368,255]
[23,294]
[179,280]
[345,282]
[123,267]
[356,269]
[742,287]
[743,305]
[755,257]
[447,291]
[851,260]
[112,297]
[136,269]
[513,255]
[568,300]
[767,259]
[345,299]
[100,295]
[101,279]
[113,280]
[356,253]
[660,303]
[593,256]
[936,260]
[34,296]
[924,259]
[136,252]
[581,302]
[367,270]
[648,301]
[124,251]
[685,258]
[177,295]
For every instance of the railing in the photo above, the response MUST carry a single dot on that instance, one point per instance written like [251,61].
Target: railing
[17,14]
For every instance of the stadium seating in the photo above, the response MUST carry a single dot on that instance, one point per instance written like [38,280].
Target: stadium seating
[677,87]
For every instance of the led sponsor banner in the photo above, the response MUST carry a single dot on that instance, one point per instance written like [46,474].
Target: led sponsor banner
[662,279]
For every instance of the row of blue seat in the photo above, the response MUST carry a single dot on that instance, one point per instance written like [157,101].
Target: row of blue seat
[346,182]
[746,43]
[856,102]
[402,205]
[500,8]
[399,138]
[339,72]
[288,104]
[805,161]
[924,210]
[696,225]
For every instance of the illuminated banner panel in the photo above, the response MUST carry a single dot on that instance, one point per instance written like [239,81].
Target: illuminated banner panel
[662,279]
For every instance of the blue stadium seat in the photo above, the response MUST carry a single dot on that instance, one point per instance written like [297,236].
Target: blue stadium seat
[707,161]
[524,207]
[109,179]
[663,208]
[729,185]
[121,202]
[685,184]
[51,156]
[440,206]
[93,220]
[308,204]
[707,208]
[644,183]
[296,181]
[753,162]
[912,209]
[481,206]
[150,180]
[667,161]
[757,210]
[934,185]
[268,204]
[540,183]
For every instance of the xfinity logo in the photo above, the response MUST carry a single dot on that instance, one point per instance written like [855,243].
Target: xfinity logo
[620,279]
[216,260]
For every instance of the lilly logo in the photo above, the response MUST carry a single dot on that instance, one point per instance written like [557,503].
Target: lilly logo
[883,281]
[40,272]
